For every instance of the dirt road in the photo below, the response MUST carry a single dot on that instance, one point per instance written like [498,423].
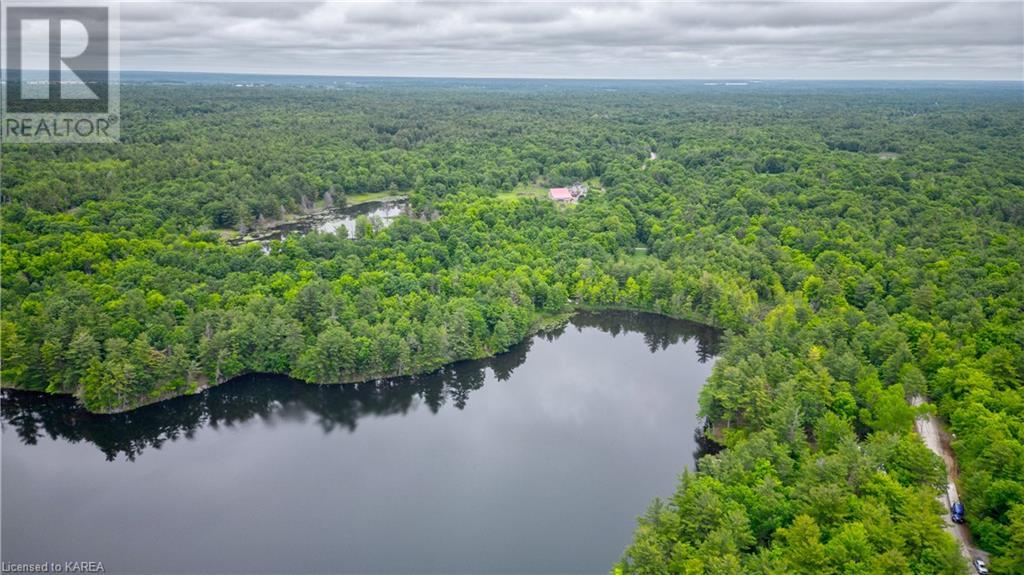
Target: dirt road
[930,430]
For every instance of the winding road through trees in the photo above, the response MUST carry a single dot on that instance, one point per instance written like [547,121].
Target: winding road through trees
[931,432]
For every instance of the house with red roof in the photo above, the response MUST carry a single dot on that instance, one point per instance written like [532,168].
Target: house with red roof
[570,194]
[560,194]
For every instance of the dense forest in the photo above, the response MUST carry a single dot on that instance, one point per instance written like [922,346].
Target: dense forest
[861,244]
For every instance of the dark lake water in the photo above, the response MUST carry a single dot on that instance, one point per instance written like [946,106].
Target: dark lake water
[535,461]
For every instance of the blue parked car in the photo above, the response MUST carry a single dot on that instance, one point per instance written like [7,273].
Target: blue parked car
[957,512]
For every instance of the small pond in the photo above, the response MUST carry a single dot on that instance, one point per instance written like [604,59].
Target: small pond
[330,221]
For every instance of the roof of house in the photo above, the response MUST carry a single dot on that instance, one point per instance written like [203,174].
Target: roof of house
[560,194]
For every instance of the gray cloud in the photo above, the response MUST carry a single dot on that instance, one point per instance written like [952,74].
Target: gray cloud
[662,39]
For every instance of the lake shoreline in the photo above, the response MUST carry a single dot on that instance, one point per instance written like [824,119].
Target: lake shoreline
[542,324]
[386,463]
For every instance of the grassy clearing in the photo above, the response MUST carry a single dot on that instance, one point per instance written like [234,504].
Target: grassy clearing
[524,191]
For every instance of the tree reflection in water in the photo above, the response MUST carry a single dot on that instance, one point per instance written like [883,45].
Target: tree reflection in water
[33,414]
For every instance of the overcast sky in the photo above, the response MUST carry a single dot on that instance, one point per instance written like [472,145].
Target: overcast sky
[802,40]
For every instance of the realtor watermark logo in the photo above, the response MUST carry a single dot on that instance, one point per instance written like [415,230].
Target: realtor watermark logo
[60,73]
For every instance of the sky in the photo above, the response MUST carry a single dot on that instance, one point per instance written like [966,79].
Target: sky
[658,40]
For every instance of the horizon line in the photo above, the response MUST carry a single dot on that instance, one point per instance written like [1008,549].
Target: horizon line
[584,78]
[5,71]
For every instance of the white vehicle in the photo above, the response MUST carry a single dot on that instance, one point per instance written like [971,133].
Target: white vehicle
[979,564]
